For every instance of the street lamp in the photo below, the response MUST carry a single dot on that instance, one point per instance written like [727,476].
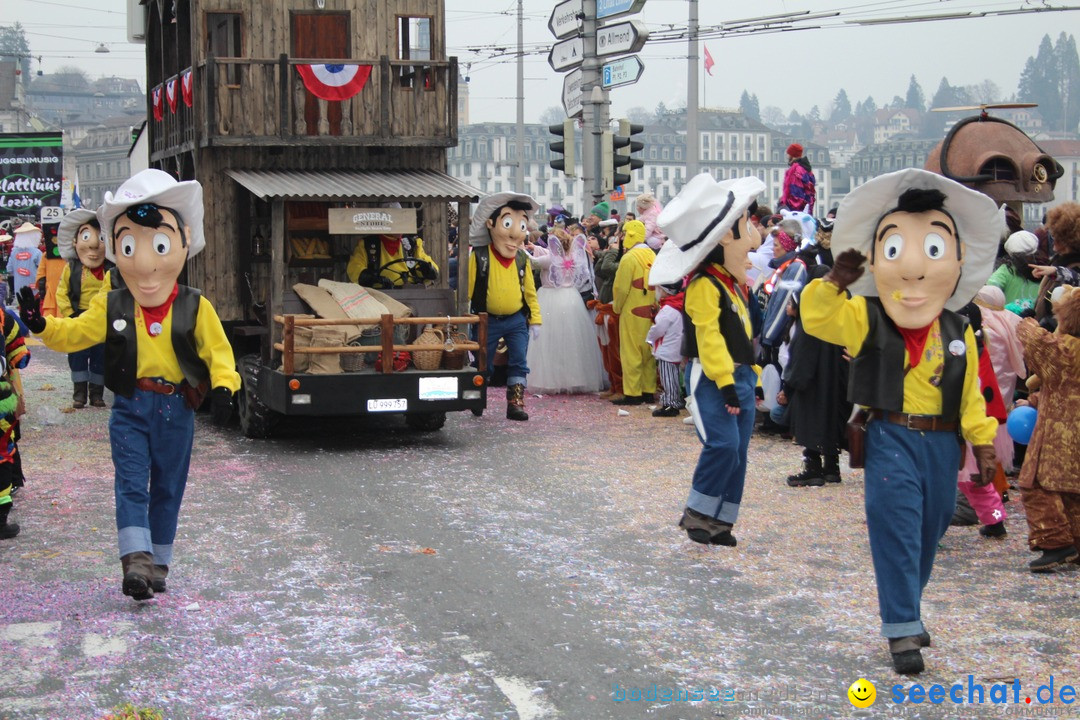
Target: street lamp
[101,48]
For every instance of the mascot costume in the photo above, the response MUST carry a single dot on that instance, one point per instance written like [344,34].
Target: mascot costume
[931,244]
[165,349]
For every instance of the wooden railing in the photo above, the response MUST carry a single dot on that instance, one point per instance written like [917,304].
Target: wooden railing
[253,101]
[386,347]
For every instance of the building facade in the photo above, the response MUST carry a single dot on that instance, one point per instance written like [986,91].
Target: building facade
[102,161]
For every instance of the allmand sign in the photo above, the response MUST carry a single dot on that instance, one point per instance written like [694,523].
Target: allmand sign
[372,221]
[31,172]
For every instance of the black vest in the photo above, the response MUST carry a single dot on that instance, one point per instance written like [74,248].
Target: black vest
[478,301]
[121,345]
[75,270]
[739,344]
[877,372]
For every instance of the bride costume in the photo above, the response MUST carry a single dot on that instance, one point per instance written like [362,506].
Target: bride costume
[565,358]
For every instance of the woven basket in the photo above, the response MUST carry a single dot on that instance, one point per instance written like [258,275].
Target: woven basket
[352,362]
[429,359]
[454,359]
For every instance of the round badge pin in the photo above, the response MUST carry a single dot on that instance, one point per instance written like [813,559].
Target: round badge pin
[957,347]
[155,329]
[119,324]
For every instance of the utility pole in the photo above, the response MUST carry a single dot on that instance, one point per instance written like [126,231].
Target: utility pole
[590,132]
[693,141]
[519,175]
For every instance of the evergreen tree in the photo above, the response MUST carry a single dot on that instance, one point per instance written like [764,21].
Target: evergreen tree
[749,106]
[946,96]
[841,109]
[915,99]
[1038,82]
[13,45]
[869,107]
[1068,83]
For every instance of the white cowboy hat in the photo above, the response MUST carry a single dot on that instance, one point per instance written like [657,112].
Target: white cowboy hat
[27,235]
[69,225]
[155,187]
[979,224]
[478,231]
[695,221]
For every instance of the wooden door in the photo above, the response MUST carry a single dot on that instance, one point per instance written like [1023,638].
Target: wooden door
[322,36]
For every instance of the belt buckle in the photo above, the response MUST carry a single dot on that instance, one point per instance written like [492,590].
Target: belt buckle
[171,389]
[909,425]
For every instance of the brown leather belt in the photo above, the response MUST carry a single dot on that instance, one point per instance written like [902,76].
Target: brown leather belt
[930,423]
[158,386]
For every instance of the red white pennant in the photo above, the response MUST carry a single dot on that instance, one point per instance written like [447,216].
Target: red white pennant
[170,93]
[186,81]
[158,102]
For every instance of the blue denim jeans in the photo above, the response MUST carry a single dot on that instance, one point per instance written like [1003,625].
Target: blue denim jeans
[721,468]
[88,365]
[910,498]
[515,329]
[151,437]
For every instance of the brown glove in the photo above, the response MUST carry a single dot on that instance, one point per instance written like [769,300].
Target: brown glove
[986,462]
[847,268]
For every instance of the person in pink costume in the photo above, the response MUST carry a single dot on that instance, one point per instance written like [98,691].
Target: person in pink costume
[648,209]
[1007,357]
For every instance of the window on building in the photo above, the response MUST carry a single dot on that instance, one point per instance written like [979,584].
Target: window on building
[665,153]
[414,43]
[224,38]
[667,174]
[678,153]
[498,186]
[467,169]
[652,153]
[761,175]
[720,173]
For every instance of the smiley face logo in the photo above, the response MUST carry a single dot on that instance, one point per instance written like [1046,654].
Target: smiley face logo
[862,693]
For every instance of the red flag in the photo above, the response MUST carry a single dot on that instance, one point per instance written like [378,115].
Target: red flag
[159,105]
[170,93]
[334,82]
[709,62]
[186,87]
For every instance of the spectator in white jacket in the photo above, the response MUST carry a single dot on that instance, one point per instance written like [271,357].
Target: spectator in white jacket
[665,338]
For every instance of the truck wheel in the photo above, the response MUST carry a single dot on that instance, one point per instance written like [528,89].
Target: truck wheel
[425,422]
[256,419]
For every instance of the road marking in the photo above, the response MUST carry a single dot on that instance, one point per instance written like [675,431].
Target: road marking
[31,634]
[95,645]
[528,701]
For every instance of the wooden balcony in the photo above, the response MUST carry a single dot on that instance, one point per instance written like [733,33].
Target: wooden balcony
[261,102]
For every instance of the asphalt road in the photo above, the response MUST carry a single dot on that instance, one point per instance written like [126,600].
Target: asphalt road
[355,569]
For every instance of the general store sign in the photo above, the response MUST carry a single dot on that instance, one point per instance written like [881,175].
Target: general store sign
[31,172]
[372,221]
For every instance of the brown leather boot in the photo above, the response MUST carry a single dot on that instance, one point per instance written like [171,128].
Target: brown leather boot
[78,398]
[97,393]
[515,403]
[138,570]
[157,580]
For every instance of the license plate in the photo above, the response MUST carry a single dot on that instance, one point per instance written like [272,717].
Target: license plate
[387,405]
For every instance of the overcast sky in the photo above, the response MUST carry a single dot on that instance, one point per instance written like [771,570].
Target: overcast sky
[793,70]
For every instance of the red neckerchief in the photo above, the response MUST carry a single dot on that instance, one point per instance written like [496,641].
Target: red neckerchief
[392,245]
[505,262]
[729,282]
[98,272]
[676,301]
[157,314]
[915,341]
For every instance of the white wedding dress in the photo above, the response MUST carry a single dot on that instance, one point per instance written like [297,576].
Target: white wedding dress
[565,358]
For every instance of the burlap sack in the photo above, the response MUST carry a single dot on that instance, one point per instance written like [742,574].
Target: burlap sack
[301,339]
[328,364]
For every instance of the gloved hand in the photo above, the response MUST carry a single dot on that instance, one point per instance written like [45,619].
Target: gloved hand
[30,310]
[731,399]
[534,331]
[986,462]
[221,407]
[847,268]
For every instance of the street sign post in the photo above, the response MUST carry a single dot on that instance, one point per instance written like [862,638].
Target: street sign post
[620,38]
[566,19]
[624,71]
[567,54]
[615,8]
[572,94]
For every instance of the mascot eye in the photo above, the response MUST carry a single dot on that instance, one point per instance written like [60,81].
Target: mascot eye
[127,245]
[86,236]
[524,227]
[162,244]
[934,246]
[507,223]
[892,246]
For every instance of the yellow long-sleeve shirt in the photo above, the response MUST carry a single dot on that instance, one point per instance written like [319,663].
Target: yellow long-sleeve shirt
[90,287]
[827,314]
[156,357]
[504,288]
[703,306]
[358,261]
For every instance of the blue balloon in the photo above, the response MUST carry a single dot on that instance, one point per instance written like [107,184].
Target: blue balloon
[1021,423]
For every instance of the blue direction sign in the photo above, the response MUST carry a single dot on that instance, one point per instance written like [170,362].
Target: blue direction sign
[614,8]
[624,71]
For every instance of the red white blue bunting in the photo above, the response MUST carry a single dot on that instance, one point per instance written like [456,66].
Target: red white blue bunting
[334,82]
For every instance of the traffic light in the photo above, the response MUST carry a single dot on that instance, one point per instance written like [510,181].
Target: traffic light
[622,165]
[565,130]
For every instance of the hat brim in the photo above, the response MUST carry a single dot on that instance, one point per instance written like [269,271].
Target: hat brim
[979,223]
[673,263]
[478,231]
[185,197]
[69,225]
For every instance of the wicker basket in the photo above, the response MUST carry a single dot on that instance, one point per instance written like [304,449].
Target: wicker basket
[429,359]
[353,362]
[454,356]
